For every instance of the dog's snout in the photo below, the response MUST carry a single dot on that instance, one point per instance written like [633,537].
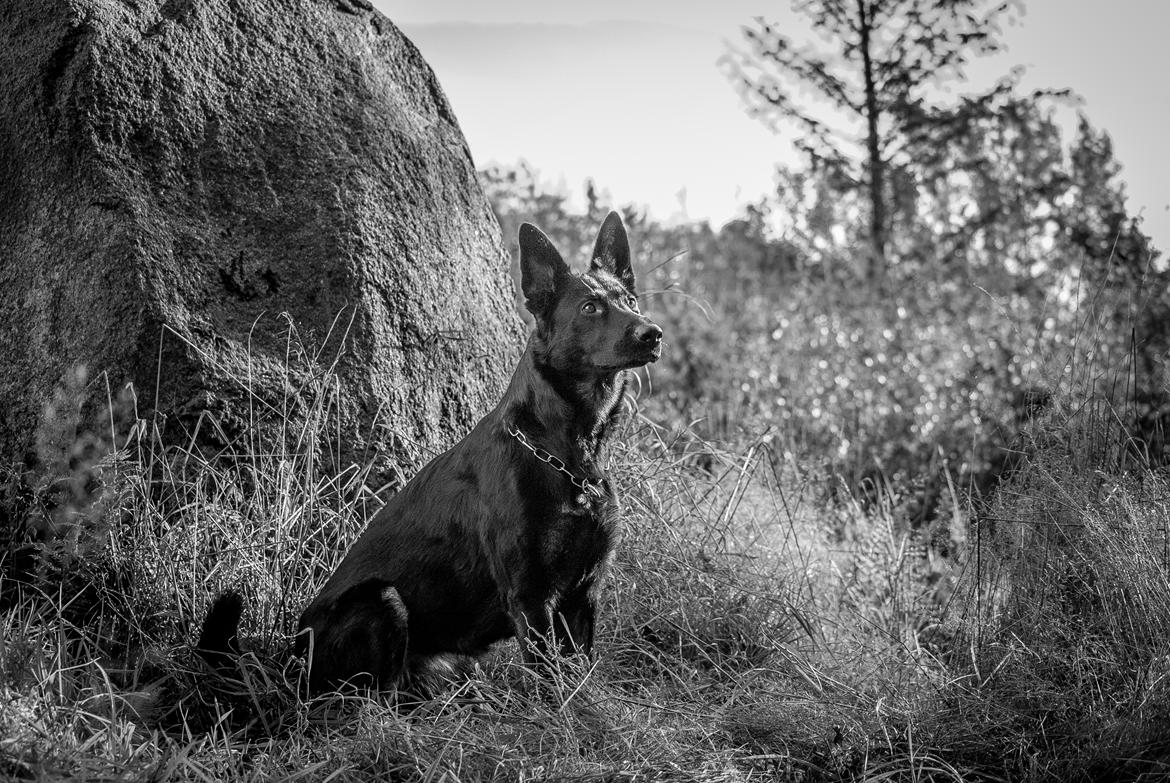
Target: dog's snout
[648,333]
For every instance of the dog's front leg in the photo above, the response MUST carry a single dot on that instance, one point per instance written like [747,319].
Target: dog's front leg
[573,622]
[544,629]
[532,617]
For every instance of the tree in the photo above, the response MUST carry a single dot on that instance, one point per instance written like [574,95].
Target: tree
[875,81]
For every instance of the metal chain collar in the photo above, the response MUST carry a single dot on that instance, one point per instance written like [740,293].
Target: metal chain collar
[556,463]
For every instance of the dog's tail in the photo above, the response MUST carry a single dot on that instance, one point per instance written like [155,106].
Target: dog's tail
[217,641]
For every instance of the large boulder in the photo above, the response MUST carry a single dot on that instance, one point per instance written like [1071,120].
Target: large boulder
[176,177]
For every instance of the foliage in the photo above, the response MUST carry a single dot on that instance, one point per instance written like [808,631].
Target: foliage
[935,377]
[1064,606]
[749,632]
[886,61]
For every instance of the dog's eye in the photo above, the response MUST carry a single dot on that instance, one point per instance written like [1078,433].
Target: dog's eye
[632,301]
[589,308]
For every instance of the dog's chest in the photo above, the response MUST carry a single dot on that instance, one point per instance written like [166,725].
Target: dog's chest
[580,537]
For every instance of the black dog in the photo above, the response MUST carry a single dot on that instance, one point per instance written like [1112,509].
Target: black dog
[510,531]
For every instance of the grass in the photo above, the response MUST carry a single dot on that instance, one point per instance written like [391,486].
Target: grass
[752,629]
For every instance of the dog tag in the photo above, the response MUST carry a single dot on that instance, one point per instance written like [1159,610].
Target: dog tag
[582,500]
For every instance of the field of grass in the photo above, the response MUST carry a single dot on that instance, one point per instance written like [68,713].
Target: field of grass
[758,625]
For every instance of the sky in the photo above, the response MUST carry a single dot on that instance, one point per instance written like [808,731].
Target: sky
[630,95]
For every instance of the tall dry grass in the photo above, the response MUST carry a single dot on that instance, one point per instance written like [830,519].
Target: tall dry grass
[752,629]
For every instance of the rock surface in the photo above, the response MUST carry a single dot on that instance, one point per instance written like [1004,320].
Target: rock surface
[176,176]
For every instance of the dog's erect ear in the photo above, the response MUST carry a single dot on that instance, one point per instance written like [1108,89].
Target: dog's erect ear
[612,250]
[541,269]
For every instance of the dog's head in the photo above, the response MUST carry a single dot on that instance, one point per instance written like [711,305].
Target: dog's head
[590,321]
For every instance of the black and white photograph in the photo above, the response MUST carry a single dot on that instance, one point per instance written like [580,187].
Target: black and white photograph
[706,392]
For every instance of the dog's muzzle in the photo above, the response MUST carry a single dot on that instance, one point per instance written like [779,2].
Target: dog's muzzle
[648,337]
[648,334]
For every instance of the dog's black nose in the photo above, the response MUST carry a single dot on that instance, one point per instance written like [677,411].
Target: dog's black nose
[648,333]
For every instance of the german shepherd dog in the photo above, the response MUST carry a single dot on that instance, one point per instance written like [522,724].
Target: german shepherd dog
[508,533]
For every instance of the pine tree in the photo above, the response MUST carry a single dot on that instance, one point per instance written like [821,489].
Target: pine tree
[869,88]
